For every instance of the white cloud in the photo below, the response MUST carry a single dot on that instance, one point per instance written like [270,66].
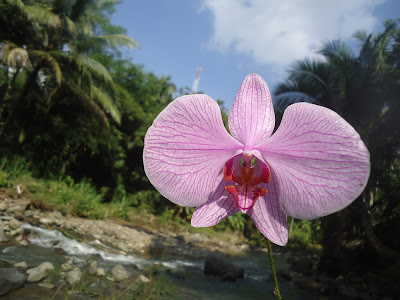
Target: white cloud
[280,32]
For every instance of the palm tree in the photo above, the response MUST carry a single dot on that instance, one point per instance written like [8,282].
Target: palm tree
[344,82]
[52,41]
[364,91]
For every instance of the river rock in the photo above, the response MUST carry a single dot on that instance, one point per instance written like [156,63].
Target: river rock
[14,224]
[120,273]
[29,213]
[22,265]
[46,285]
[19,216]
[92,268]
[46,221]
[3,236]
[10,279]
[23,243]
[143,278]
[100,272]
[20,207]
[38,273]
[197,238]
[3,206]
[74,276]
[66,267]
[218,265]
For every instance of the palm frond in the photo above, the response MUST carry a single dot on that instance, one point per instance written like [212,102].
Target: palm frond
[107,103]
[69,25]
[89,102]
[361,35]
[309,71]
[18,4]
[118,40]
[96,68]
[82,61]
[47,58]
[18,57]
[99,42]
[383,40]
[287,86]
[337,50]
[282,101]
[43,16]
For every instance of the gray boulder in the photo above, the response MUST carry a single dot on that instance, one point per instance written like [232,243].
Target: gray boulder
[38,273]
[10,279]
[120,273]
[14,224]
[3,236]
[74,276]
[92,268]
[218,265]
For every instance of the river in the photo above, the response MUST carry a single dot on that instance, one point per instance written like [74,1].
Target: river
[189,282]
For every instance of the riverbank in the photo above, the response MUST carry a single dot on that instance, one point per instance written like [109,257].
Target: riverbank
[168,254]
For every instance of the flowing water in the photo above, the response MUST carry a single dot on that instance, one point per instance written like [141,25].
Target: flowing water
[190,283]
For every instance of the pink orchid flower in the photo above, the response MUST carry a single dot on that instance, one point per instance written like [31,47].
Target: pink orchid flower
[314,164]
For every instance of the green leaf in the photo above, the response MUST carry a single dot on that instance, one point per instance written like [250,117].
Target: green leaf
[118,40]
[43,16]
[94,67]
[107,103]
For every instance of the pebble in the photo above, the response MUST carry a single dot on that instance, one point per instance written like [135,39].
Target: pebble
[66,267]
[3,236]
[143,278]
[38,273]
[120,273]
[70,260]
[46,285]
[29,213]
[46,221]
[23,265]
[100,272]
[93,267]
[24,243]
[3,206]
[74,276]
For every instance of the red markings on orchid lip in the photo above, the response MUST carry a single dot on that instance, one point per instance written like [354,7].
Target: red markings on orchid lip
[245,192]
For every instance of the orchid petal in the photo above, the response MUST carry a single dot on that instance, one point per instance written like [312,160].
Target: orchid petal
[318,161]
[268,216]
[186,148]
[220,205]
[267,213]
[252,118]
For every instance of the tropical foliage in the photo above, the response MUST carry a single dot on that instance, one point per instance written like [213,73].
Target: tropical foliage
[69,103]
[365,89]
[73,109]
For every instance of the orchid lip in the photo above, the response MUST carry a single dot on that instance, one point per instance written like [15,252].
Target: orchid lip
[245,192]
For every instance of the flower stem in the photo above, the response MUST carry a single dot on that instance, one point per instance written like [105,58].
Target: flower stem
[277,292]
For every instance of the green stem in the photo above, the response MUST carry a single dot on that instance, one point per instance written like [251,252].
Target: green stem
[277,292]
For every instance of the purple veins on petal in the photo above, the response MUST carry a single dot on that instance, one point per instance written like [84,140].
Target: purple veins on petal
[185,150]
[320,162]
[314,164]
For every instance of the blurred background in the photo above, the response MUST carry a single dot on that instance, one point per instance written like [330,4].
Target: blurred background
[81,82]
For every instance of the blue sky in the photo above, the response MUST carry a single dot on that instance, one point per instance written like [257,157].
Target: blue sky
[233,38]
